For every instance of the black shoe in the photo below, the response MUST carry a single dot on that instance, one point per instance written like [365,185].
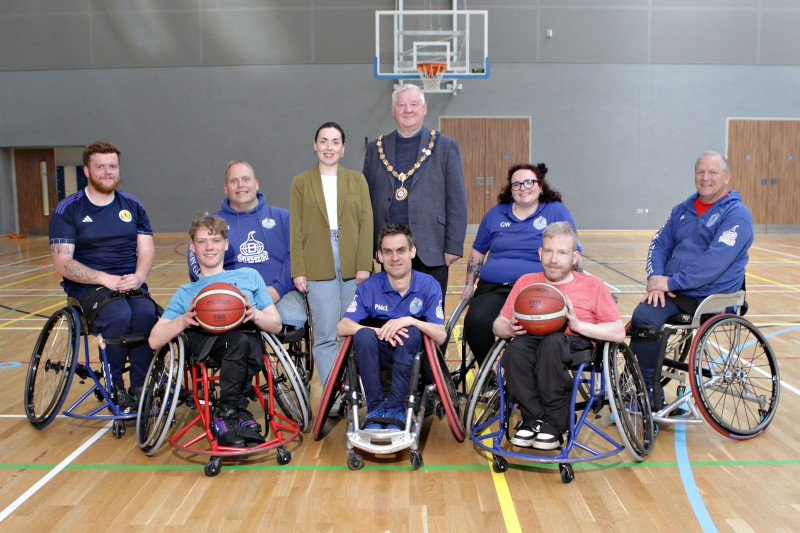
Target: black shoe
[525,434]
[126,403]
[549,438]
[247,421]
[224,424]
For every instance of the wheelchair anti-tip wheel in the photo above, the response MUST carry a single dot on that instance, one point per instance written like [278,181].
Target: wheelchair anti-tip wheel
[160,396]
[628,400]
[212,467]
[735,377]
[51,368]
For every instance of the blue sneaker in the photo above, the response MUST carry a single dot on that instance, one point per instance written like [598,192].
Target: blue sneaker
[371,415]
[398,414]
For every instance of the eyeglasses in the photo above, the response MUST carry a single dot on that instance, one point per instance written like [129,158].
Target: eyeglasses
[527,184]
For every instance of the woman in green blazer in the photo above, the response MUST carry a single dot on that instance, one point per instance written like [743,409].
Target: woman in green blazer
[331,240]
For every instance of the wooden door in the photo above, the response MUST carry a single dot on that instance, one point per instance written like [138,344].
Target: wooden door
[763,155]
[36,189]
[489,146]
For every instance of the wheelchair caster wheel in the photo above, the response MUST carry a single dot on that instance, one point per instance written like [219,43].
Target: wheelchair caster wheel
[212,467]
[99,395]
[440,411]
[118,428]
[354,461]
[567,473]
[499,464]
[284,456]
[416,460]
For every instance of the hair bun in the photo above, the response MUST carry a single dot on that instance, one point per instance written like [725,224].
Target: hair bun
[542,168]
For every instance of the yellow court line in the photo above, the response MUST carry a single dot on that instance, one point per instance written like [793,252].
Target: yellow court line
[26,280]
[749,275]
[32,313]
[506,503]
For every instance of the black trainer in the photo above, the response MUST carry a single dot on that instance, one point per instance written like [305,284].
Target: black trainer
[125,401]
[549,438]
[224,424]
[247,421]
[525,433]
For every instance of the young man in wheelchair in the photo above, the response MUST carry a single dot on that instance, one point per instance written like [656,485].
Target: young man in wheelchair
[387,319]
[701,250]
[239,352]
[102,245]
[537,368]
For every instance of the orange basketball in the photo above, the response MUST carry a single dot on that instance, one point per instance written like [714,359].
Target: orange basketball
[541,309]
[220,307]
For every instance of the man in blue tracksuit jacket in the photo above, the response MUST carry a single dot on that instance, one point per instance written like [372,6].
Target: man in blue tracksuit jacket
[701,250]
[259,239]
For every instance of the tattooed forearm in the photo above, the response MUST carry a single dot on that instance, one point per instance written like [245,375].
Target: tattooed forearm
[474,269]
[79,272]
[72,269]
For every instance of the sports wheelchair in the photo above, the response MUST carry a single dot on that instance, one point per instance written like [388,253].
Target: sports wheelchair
[734,383]
[54,364]
[612,377]
[345,381]
[279,391]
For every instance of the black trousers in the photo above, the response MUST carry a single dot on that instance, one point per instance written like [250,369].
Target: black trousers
[483,310]
[239,356]
[537,375]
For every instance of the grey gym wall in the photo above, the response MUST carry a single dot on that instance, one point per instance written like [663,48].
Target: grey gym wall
[623,96]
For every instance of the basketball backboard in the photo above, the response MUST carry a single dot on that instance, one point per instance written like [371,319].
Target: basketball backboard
[404,39]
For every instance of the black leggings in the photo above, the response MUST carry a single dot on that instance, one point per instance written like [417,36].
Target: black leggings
[482,312]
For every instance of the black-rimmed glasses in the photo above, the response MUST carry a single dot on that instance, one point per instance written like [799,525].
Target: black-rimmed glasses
[517,185]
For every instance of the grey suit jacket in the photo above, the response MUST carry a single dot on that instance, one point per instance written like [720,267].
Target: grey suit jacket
[437,200]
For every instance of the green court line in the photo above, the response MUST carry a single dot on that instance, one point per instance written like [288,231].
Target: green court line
[313,468]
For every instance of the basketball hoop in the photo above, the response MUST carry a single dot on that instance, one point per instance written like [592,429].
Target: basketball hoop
[431,75]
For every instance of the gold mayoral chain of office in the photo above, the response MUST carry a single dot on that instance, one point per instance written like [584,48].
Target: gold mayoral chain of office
[401,193]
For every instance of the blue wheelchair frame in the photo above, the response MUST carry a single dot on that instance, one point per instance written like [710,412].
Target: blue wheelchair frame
[596,386]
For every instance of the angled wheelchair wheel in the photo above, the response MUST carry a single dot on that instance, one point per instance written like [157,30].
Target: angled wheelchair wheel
[289,390]
[456,352]
[484,397]
[52,367]
[628,400]
[735,380]
[162,388]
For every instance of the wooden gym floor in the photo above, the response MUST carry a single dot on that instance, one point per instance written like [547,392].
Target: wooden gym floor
[74,475]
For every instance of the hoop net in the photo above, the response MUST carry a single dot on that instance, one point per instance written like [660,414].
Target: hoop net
[431,75]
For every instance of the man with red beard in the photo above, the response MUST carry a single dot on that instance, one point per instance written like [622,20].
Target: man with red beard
[102,245]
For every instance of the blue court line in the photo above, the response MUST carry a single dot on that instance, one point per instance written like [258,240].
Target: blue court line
[689,485]
[685,467]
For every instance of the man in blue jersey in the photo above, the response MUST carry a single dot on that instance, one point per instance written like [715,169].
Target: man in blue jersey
[102,245]
[259,239]
[388,317]
[701,250]
[238,352]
